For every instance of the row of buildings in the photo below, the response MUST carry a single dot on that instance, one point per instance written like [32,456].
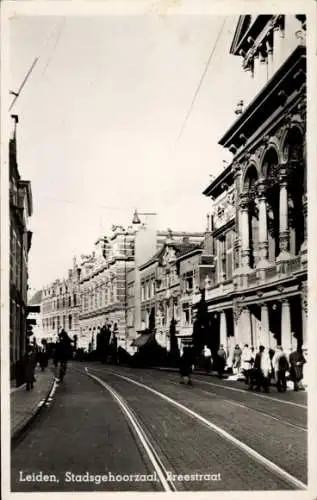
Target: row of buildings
[251,261]
[20,211]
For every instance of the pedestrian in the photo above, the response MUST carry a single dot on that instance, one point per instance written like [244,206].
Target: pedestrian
[207,358]
[296,361]
[221,360]
[43,358]
[29,364]
[247,360]
[186,363]
[63,353]
[281,366]
[236,365]
[262,370]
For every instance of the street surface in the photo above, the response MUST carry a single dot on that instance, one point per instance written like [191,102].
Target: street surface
[142,430]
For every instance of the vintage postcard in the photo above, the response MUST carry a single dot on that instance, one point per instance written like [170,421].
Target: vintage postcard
[158,293]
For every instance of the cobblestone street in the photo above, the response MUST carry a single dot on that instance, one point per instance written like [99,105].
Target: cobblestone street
[229,438]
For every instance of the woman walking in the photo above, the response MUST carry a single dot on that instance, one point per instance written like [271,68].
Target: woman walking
[29,363]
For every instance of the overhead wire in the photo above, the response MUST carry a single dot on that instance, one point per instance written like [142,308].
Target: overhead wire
[34,63]
[201,80]
[55,46]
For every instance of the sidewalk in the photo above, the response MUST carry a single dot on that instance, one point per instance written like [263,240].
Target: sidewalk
[26,404]
[228,378]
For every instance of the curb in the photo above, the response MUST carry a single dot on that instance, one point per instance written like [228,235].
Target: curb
[19,431]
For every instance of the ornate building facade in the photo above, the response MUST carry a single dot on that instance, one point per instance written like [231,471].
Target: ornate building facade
[21,208]
[160,286]
[258,294]
[103,287]
[60,303]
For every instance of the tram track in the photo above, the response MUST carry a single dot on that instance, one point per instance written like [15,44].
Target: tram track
[140,434]
[274,469]
[245,406]
[250,404]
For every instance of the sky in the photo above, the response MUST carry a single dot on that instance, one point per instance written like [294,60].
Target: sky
[100,119]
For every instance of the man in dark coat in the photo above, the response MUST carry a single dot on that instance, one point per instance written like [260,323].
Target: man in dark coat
[29,364]
[221,360]
[296,361]
[281,366]
[63,352]
[186,362]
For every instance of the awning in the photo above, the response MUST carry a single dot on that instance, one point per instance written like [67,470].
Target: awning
[33,309]
[143,339]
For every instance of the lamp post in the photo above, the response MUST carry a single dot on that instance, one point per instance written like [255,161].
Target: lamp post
[125,289]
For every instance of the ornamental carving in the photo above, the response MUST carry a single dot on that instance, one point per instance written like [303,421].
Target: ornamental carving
[237,310]
[224,209]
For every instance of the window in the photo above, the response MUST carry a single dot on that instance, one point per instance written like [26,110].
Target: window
[229,254]
[69,301]
[187,314]
[142,292]
[75,300]
[70,322]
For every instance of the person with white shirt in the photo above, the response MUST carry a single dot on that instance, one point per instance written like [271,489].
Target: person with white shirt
[207,358]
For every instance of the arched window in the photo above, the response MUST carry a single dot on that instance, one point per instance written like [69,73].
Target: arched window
[296,187]
[272,193]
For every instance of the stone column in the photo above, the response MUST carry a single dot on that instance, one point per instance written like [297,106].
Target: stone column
[265,326]
[263,234]
[258,82]
[263,69]
[244,231]
[286,333]
[223,331]
[283,214]
[237,242]
[269,48]
[303,249]
[278,45]
[243,327]
[292,26]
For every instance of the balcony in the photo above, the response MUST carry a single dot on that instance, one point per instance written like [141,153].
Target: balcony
[273,273]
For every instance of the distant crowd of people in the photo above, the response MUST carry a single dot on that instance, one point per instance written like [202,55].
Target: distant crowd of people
[35,355]
[257,368]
